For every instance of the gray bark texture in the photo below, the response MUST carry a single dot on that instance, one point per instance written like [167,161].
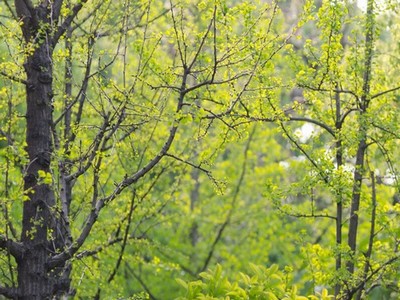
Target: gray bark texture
[41,235]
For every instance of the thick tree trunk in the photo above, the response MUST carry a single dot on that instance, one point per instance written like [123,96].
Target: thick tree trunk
[41,235]
[38,211]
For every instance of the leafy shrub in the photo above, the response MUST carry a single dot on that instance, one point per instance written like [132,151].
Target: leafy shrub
[263,283]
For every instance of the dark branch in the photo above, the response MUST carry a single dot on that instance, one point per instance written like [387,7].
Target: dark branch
[9,292]
[290,118]
[385,92]
[13,78]
[381,268]
[57,4]
[10,9]
[98,205]
[67,22]
[24,8]
[142,283]
[233,204]
[15,248]
[319,89]
[300,215]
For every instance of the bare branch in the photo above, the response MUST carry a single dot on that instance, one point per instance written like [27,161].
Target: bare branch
[96,143]
[316,122]
[319,89]
[212,82]
[208,172]
[300,215]
[302,119]
[181,54]
[142,283]
[198,167]
[309,158]
[83,88]
[203,40]
[385,92]
[88,16]
[10,9]
[131,27]
[132,207]
[98,249]
[289,119]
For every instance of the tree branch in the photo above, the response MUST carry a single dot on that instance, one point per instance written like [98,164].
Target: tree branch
[323,176]
[16,249]
[24,8]
[13,78]
[93,153]
[9,292]
[233,204]
[299,215]
[145,287]
[57,4]
[132,207]
[372,233]
[10,10]
[198,167]
[67,22]
[387,263]
[60,258]
[362,145]
[319,89]
[385,92]
[81,95]
[316,122]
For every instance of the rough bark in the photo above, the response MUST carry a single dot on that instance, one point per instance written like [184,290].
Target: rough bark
[38,211]
[40,235]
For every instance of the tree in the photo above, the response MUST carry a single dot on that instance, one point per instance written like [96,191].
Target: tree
[344,95]
[341,173]
[145,140]
[101,138]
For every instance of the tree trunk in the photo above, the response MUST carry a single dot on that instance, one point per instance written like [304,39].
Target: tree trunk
[339,199]
[41,232]
[362,146]
[38,211]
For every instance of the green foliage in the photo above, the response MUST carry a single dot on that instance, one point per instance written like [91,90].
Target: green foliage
[267,100]
[262,283]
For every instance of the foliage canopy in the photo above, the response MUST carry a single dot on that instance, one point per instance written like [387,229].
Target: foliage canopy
[217,142]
